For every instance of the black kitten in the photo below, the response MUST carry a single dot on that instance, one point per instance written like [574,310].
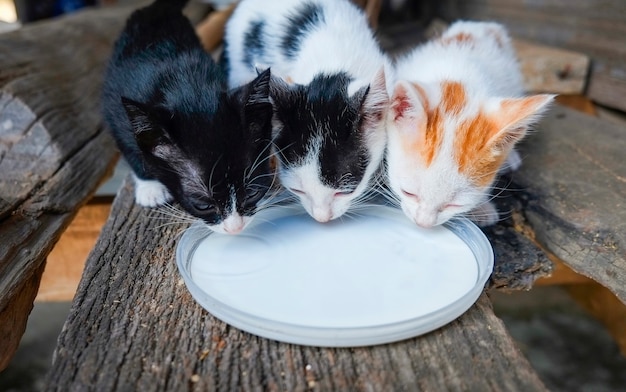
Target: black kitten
[184,135]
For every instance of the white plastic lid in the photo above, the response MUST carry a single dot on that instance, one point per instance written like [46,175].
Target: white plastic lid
[362,280]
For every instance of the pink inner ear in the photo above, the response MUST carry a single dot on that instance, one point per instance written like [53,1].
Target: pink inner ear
[521,112]
[402,103]
[516,114]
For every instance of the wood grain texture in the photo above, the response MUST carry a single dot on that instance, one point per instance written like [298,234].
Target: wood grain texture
[551,70]
[596,29]
[518,259]
[134,326]
[15,315]
[66,261]
[574,179]
[54,151]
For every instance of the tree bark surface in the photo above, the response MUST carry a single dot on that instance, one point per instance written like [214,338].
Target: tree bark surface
[54,151]
[134,326]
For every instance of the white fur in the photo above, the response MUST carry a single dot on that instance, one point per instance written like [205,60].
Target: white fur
[150,193]
[320,201]
[345,43]
[486,69]
[489,72]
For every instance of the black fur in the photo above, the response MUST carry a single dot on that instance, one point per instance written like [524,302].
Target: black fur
[253,42]
[309,16]
[167,106]
[300,110]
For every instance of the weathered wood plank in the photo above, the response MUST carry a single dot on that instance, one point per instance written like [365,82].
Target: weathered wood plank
[518,261]
[596,29]
[134,326]
[66,261]
[551,70]
[574,180]
[53,149]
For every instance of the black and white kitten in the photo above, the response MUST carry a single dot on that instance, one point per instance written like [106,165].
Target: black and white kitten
[185,136]
[328,90]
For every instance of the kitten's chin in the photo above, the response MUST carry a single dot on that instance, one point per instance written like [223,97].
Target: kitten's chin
[232,225]
[325,212]
[425,218]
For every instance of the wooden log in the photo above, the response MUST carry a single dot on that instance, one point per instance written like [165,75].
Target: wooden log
[573,181]
[211,29]
[551,70]
[134,326]
[54,150]
[585,26]
[518,260]
[66,261]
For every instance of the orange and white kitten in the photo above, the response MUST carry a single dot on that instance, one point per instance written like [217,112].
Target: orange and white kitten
[456,112]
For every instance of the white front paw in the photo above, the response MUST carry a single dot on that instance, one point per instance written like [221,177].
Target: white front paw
[484,215]
[150,193]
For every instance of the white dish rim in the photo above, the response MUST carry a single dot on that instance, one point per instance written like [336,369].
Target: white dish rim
[340,336]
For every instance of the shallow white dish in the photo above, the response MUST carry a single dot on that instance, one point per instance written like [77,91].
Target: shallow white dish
[370,279]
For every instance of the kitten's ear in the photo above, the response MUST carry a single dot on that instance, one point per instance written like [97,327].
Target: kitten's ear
[258,108]
[260,89]
[375,100]
[280,91]
[407,106]
[513,116]
[260,68]
[146,128]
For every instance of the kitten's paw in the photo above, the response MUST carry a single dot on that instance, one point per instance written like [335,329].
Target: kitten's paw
[512,163]
[150,193]
[484,215]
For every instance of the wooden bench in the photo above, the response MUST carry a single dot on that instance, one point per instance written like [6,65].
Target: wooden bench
[134,326]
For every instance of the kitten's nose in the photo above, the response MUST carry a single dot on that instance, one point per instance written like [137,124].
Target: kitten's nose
[425,222]
[234,224]
[322,215]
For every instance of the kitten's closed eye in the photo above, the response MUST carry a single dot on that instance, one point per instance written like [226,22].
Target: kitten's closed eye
[204,208]
[411,195]
[253,196]
[450,206]
[201,206]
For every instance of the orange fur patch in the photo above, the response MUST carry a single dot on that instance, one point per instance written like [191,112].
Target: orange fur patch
[475,160]
[461,38]
[428,138]
[432,136]
[453,99]
[497,36]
